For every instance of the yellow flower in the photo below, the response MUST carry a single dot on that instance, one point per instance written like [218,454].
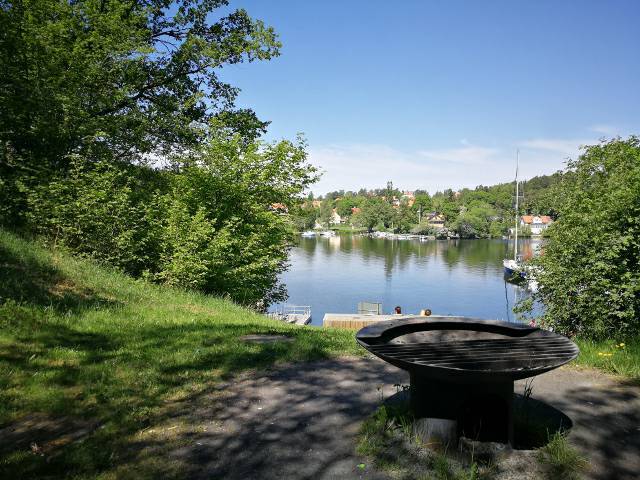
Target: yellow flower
[621,345]
[600,353]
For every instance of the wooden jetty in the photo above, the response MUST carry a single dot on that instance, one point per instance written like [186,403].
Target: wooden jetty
[296,314]
[354,321]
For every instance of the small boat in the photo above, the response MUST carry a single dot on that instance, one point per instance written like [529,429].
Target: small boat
[328,233]
[513,268]
[308,234]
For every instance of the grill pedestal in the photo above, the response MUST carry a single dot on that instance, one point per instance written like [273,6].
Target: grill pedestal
[483,410]
[463,369]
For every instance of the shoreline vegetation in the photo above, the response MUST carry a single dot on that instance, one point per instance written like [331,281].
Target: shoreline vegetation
[482,212]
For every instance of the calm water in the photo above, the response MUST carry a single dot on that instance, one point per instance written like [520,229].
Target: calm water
[451,277]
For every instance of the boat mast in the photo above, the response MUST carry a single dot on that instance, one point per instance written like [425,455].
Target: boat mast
[515,246]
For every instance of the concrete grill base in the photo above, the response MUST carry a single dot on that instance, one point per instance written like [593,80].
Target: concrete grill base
[483,410]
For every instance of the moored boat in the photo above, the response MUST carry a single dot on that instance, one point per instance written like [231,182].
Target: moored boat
[513,268]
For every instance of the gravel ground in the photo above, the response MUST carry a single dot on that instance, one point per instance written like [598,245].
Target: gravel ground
[301,422]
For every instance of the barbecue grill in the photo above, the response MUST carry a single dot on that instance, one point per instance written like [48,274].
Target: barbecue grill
[463,369]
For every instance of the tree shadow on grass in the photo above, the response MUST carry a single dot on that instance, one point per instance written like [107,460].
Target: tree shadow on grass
[30,281]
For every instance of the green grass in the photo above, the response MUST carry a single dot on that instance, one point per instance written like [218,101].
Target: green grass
[386,438]
[562,461]
[84,345]
[618,357]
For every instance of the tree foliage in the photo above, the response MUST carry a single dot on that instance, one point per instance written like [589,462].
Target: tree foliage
[119,140]
[374,212]
[589,273]
[204,227]
[130,77]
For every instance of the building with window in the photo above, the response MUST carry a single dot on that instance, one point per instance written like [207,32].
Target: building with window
[536,223]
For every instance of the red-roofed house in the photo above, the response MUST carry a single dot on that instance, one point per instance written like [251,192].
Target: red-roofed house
[279,208]
[355,210]
[537,223]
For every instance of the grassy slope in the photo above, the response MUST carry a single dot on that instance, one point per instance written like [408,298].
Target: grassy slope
[79,342]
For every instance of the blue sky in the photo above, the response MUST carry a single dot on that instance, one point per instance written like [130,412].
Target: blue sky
[437,94]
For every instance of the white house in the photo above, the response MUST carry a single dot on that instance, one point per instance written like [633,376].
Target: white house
[336,219]
[537,223]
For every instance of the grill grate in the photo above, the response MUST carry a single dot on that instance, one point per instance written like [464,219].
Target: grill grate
[487,354]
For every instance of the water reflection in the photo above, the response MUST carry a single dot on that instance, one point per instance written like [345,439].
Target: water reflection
[458,277]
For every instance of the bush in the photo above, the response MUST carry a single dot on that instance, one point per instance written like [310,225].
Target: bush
[589,274]
[204,225]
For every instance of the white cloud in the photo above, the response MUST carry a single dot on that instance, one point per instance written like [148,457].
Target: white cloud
[468,155]
[354,166]
[607,130]
[566,147]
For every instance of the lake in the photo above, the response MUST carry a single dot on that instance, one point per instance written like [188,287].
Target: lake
[451,277]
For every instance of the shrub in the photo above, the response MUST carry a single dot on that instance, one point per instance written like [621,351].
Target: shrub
[589,274]
[204,225]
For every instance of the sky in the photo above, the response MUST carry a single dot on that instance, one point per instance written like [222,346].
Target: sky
[441,94]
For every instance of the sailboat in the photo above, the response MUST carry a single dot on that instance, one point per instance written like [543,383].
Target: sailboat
[513,266]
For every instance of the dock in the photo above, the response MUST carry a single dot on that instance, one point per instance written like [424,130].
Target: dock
[295,314]
[355,321]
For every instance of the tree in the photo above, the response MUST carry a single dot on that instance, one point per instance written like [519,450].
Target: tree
[498,228]
[326,212]
[304,217]
[449,208]
[589,274]
[405,218]
[206,227]
[119,140]
[422,205]
[132,77]
[344,205]
[374,211]
[117,80]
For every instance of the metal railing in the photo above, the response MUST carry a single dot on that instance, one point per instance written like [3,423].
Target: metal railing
[370,308]
[284,310]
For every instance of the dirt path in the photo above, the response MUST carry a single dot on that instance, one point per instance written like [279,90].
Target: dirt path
[300,422]
[605,414]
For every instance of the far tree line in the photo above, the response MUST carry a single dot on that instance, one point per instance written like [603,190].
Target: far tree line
[485,211]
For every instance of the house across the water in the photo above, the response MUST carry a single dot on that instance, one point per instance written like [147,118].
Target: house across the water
[435,220]
[537,223]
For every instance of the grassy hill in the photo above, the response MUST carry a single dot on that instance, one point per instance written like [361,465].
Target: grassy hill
[89,358]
